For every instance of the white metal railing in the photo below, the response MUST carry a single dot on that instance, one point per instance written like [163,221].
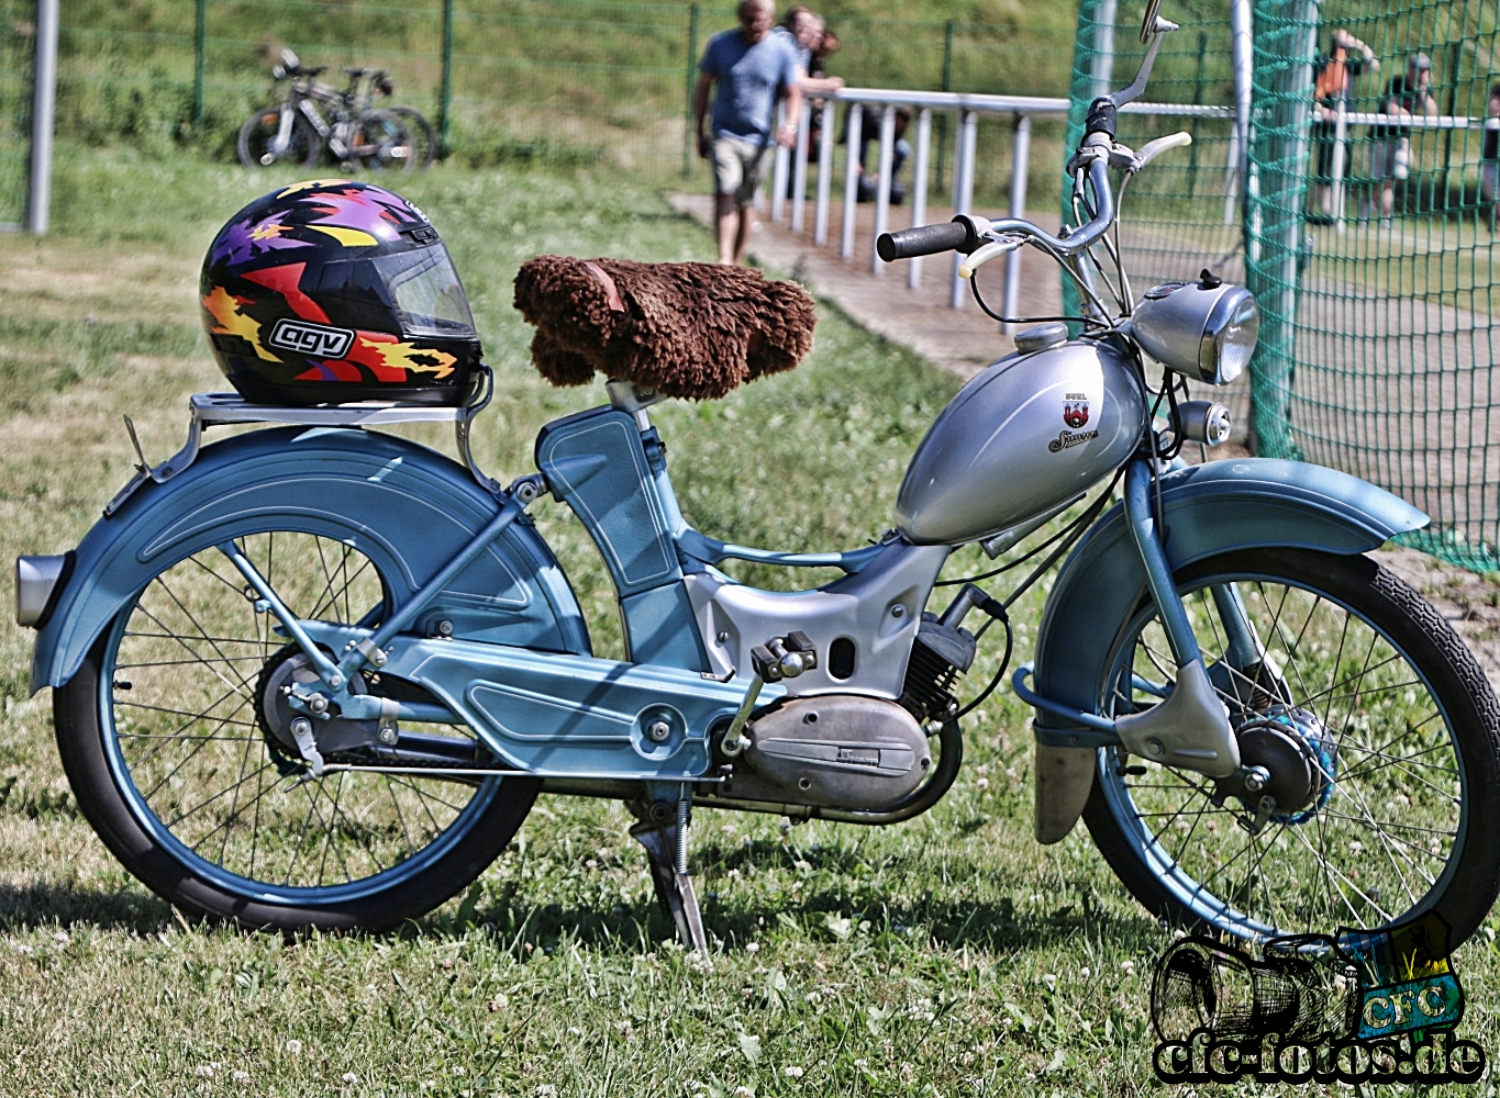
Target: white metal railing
[791,165]
[1338,168]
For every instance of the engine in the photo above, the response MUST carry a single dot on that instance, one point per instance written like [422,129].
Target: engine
[838,750]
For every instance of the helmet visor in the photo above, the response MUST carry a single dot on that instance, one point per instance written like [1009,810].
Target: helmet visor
[429,298]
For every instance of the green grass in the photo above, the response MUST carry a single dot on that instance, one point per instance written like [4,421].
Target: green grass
[948,955]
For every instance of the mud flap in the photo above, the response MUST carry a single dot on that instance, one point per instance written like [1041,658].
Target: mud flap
[1064,779]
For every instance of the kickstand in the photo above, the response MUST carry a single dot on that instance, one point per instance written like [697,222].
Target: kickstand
[664,835]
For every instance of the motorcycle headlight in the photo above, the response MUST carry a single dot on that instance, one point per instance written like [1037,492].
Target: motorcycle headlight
[1204,330]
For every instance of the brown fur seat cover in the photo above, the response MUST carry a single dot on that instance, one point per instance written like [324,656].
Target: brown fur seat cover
[692,330]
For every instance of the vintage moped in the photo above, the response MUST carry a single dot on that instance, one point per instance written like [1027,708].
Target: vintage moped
[316,675]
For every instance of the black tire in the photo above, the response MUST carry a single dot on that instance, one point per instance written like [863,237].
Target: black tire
[304,148]
[162,762]
[1410,730]
[382,142]
[424,137]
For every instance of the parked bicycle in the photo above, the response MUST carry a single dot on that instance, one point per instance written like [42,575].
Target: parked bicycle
[312,117]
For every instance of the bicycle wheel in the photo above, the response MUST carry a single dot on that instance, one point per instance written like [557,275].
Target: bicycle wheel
[424,137]
[257,141]
[381,142]
[174,735]
[1378,730]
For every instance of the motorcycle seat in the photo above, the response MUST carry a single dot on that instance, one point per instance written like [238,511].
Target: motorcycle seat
[690,330]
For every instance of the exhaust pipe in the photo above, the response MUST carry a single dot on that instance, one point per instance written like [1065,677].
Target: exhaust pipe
[39,582]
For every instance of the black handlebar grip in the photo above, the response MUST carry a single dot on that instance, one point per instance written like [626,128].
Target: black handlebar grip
[1101,118]
[923,240]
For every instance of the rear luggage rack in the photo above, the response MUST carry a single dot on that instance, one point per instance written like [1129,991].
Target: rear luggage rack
[229,409]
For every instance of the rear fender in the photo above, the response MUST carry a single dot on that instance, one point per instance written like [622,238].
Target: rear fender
[1209,509]
[408,508]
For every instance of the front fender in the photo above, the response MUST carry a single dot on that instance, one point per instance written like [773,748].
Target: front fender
[1209,509]
[405,506]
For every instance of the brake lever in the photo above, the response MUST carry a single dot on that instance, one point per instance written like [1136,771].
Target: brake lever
[1154,148]
[987,252]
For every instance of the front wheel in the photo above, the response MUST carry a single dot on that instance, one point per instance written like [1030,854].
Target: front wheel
[260,144]
[1377,727]
[175,748]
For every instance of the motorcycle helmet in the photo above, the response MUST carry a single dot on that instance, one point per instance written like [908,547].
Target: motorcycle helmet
[333,292]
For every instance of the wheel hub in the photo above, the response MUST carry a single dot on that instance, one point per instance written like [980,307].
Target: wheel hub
[290,669]
[1285,754]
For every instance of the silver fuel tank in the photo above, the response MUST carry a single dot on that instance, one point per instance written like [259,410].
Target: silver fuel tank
[1028,433]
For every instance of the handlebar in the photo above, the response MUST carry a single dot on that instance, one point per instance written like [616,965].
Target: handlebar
[966,234]
[957,235]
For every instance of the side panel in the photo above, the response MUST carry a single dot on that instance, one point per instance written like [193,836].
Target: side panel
[408,508]
[556,714]
[614,478]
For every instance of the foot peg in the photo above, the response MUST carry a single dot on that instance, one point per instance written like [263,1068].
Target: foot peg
[663,832]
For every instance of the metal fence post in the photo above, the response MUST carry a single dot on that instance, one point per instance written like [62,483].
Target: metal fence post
[1338,167]
[200,36]
[780,165]
[853,123]
[445,107]
[44,100]
[689,135]
[963,179]
[825,172]
[1021,167]
[919,189]
[883,187]
[799,167]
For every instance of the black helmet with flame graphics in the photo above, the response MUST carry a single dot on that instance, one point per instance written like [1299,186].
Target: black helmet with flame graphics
[333,292]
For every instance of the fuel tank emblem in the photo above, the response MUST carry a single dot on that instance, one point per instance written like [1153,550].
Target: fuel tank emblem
[1075,409]
[1066,440]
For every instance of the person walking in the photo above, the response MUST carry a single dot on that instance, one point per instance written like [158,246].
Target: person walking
[1390,142]
[751,68]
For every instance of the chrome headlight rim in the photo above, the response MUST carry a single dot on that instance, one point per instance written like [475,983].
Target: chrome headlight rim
[1233,323]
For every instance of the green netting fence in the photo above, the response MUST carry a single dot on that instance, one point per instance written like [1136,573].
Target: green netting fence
[17,44]
[1373,259]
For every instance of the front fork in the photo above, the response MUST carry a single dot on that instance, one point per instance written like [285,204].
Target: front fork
[1190,728]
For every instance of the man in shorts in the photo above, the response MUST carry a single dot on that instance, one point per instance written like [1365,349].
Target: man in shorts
[751,67]
[1390,142]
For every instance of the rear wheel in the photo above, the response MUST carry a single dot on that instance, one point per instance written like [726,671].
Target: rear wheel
[382,143]
[1377,727]
[424,138]
[258,146]
[173,744]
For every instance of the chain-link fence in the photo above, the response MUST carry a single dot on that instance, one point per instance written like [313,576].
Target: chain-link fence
[1367,233]
[17,48]
[576,81]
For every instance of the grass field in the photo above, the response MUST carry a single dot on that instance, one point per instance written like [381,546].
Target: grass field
[949,955]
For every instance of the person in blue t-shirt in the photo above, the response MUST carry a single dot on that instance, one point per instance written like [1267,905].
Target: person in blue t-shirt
[751,67]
